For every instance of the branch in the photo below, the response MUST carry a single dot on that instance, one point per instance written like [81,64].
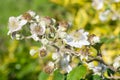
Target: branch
[101,61]
[58,49]
[114,77]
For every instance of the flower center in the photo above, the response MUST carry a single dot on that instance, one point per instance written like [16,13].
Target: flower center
[77,36]
[38,29]
[14,24]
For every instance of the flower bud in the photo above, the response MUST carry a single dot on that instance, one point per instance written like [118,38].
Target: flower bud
[63,26]
[48,21]
[44,41]
[18,36]
[27,16]
[62,34]
[94,39]
[55,56]
[32,52]
[42,52]
[116,63]
[49,68]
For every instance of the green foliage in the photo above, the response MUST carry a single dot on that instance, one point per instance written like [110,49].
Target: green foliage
[58,75]
[96,77]
[15,61]
[77,73]
[43,76]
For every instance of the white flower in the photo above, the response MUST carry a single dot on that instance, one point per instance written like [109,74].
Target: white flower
[42,24]
[32,52]
[68,68]
[83,57]
[44,41]
[94,39]
[28,16]
[15,24]
[90,65]
[18,36]
[64,63]
[77,39]
[116,63]
[32,13]
[55,56]
[96,68]
[51,64]
[104,15]
[97,4]
[49,68]
[53,20]
[37,29]
[35,37]
[48,21]
[62,35]
[63,26]
[37,17]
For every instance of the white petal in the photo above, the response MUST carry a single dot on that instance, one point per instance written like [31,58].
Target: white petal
[51,64]
[68,68]
[34,36]
[14,24]
[85,43]
[116,65]
[42,23]
[44,41]
[55,56]
[62,34]
[32,52]
[23,22]
[37,18]
[31,13]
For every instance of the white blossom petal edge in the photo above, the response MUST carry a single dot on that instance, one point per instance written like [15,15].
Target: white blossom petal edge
[15,24]
[77,39]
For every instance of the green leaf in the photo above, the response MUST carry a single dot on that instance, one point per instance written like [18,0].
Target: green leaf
[107,40]
[77,73]
[43,76]
[58,75]
[96,77]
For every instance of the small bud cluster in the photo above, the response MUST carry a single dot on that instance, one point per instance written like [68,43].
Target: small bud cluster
[63,47]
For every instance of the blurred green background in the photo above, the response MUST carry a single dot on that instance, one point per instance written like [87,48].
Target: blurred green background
[15,61]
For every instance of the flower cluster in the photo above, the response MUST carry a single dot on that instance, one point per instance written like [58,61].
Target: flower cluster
[67,50]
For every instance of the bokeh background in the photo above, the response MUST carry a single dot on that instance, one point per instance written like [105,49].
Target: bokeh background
[15,60]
